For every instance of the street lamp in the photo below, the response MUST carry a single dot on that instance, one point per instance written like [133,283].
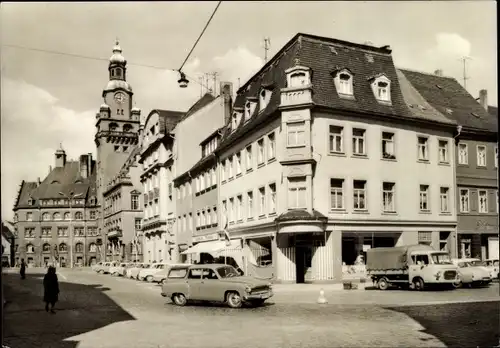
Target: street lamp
[70,198]
[183,81]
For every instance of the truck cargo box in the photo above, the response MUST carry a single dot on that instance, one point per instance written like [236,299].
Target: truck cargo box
[391,259]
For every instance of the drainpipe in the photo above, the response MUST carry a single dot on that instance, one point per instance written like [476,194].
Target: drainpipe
[456,140]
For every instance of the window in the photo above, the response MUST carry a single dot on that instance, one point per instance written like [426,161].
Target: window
[264,97]
[201,177]
[424,237]
[198,219]
[260,149]
[271,146]
[229,164]
[29,232]
[135,202]
[381,89]
[78,215]
[443,151]
[388,145]
[214,177]
[234,121]
[423,154]
[359,191]
[56,216]
[249,205]
[203,218]
[63,247]
[336,139]
[483,201]
[93,214]
[138,224]
[29,216]
[296,134]
[79,232]
[463,154]
[496,157]
[249,164]
[239,207]
[481,156]
[46,248]
[337,194]
[298,79]
[424,198]
[238,163]
[224,209]
[358,141]
[223,171]
[30,248]
[297,193]
[45,216]
[388,196]
[345,83]
[262,201]
[197,180]
[464,200]
[444,199]
[46,231]
[231,209]
[194,273]
[79,248]
[214,215]
[272,198]
[62,231]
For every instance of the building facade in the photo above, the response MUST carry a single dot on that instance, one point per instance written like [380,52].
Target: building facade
[197,186]
[476,158]
[157,173]
[56,220]
[331,151]
[8,244]
[117,142]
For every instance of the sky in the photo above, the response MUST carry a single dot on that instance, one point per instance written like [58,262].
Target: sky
[48,99]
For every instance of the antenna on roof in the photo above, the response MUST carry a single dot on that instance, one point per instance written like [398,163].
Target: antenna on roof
[464,60]
[214,77]
[267,45]
[200,79]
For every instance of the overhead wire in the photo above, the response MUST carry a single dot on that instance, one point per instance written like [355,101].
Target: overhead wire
[94,58]
[199,37]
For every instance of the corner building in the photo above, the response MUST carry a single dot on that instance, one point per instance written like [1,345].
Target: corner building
[330,151]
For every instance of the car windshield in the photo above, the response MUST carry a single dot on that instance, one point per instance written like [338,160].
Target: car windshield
[441,259]
[227,272]
[476,263]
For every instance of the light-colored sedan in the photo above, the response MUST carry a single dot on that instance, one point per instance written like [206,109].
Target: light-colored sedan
[162,274]
[96,267]
[134,271]
[118,270]
[147,273]
[471,272]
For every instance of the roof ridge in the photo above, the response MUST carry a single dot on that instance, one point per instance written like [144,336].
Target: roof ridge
[384,50]
[425,73]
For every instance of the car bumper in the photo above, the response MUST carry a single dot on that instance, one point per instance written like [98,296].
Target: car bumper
[259,296]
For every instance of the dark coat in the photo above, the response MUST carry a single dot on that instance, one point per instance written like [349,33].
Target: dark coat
[23,269]
[51,288]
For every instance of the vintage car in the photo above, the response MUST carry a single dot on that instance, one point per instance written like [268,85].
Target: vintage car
[147,273]
[214,283]
[162,274]
[134,271]
[471,272]
[492,266]
[107,266]
[119,269]
[97,266]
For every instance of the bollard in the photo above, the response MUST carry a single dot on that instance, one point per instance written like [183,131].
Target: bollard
[322,299]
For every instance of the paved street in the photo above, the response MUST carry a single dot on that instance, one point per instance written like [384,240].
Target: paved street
[102,311]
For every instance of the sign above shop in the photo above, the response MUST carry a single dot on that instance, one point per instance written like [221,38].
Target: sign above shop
[484,224]
[206,238]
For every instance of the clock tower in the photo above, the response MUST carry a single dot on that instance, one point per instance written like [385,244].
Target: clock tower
[117,124]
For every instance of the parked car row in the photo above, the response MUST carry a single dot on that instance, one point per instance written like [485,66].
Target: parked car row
[474,272]
[201,282]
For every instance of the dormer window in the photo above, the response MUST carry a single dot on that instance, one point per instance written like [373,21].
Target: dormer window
[381,87]
[234,121]
[264,97]
[31,201]
[344,83]
[250,108]
[298,76]
[298,80]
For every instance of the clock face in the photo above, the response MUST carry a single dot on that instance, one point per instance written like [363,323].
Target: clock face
[119,97]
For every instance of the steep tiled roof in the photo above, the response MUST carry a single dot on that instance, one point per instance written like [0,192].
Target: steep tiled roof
[324,56]
[61,179]
[300,214]
[446,95]
[493,111]
[419,107]
[206,99]
[7,230]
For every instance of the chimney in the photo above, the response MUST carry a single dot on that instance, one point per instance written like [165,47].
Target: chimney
[483,99]
[83,166]
[38,181]
[438,72]
[60,157]
[89,164]
[226,93]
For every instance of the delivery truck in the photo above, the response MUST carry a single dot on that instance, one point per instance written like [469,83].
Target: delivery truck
[411,267]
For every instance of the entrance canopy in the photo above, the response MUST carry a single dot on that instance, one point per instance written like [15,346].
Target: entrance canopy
[213,248]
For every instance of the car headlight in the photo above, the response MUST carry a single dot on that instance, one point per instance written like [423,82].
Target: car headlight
[248,289]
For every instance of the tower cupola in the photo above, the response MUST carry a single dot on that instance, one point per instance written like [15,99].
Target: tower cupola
[117,71]
[60,157]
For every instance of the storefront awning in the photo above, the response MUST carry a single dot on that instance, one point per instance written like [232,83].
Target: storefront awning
[212,247]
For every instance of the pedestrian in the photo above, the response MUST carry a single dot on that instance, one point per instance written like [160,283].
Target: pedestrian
[51,289]
[22,271]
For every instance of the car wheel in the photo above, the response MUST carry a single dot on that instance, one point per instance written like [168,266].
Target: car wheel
[418,284]
[383,284]
[457,284]
[149,279]
[234,300]
[179,299]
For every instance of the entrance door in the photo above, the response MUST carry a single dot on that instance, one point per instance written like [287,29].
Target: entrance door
[303,263]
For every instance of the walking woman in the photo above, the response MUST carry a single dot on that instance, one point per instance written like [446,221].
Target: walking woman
[23,269]
[51,289]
